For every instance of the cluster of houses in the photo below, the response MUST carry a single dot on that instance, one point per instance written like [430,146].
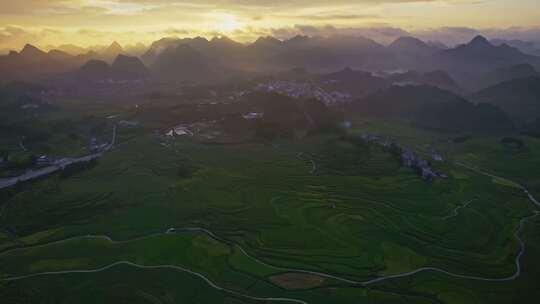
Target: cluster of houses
[201,129]
[412,160]
[434,154]
[409,158]
[253,115]
[179,131]
[303,90]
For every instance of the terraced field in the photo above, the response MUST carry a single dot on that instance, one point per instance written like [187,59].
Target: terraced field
[320,220]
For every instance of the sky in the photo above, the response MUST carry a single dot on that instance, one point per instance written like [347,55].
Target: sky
[48,23]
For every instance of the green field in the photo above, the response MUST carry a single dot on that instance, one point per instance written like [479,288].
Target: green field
[335,212]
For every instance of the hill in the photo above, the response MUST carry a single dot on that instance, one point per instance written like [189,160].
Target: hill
[184,63]
[527,47]
[355,82]
[32,64]
[284,116]
[124,68]
[432,108]
[438,78]
[520,98]
[505,74]
[410,53]
[129,68]
[111,52]
[470,61]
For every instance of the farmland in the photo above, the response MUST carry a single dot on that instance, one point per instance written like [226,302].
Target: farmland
[313,220]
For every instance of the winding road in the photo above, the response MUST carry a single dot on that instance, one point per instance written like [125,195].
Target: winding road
[514,276]
[174,267]
[455,212]
[56,166]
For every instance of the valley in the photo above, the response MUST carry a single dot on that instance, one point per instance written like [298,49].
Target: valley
[359,222]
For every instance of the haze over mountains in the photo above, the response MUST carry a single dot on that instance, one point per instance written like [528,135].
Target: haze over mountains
[476,86]
[202,60]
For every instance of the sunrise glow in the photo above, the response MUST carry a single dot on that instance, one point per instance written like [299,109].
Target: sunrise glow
[92,22]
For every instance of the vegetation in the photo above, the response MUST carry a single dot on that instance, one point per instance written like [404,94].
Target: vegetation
[281,206]
[433,108]
[358,215]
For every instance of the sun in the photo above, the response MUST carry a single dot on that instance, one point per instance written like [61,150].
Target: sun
[229,23]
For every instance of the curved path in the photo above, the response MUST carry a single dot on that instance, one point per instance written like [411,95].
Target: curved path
[208,281]
[313,164]
[517,273]
[455,212]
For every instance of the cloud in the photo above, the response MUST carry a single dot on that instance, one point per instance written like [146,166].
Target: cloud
[458,35]
[88,22]
[175,31]
[336,17]
[382,34]
[12,36]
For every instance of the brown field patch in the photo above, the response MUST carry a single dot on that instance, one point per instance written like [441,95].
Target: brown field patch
[297,281]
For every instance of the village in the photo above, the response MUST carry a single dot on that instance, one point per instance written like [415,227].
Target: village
[304,90]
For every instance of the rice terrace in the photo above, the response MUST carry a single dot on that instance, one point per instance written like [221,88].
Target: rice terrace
[257,222]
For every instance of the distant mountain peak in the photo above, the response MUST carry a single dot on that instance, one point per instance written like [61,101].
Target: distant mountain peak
[112,51]
[224,41]
[411,45]
[200,39]
[480,41]
[30,50]
[121,57]
[409,39]
[299,38]
[123,61]
[59,54]
[408,42]
[115,45]
[267,39]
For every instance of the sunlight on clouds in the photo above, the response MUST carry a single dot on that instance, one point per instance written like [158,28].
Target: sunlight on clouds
[131,21]
[121,8]
[227,23]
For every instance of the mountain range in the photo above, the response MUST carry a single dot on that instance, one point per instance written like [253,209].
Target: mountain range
[206,61]
[123,68]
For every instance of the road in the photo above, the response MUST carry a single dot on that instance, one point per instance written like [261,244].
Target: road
[455,212]
[515,275]
[55,167]
[174,267]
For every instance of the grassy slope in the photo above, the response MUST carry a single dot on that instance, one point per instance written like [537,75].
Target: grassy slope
[263,197]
